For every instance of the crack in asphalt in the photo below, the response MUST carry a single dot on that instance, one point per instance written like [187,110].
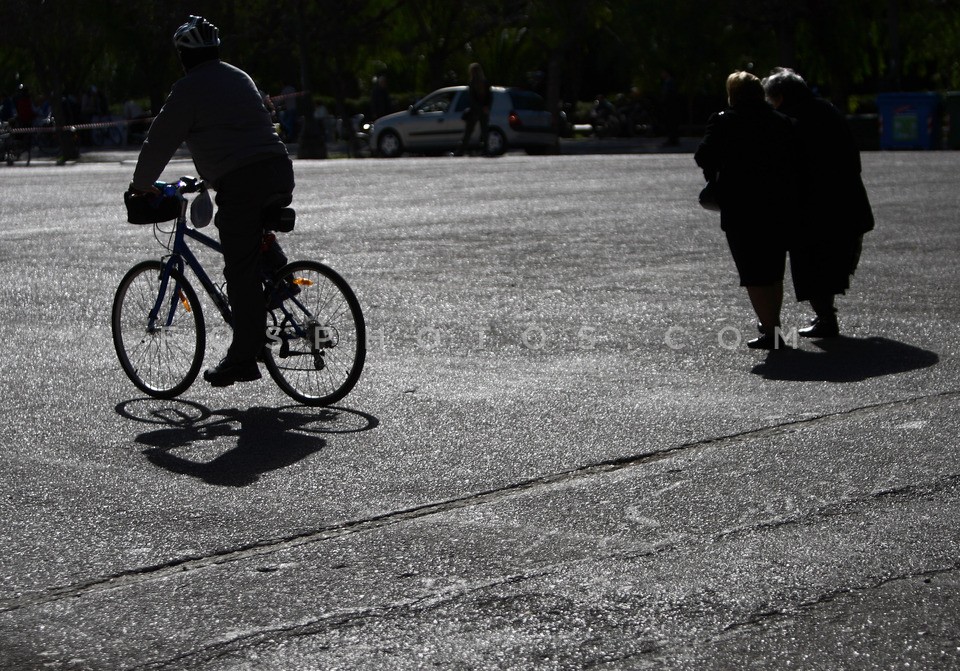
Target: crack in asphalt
[346,617]
[835,508]
[804,607]
[764,617]
[270,546]
[339,618]
[401,608]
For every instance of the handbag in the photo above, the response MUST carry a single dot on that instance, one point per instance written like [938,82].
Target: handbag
[710,196]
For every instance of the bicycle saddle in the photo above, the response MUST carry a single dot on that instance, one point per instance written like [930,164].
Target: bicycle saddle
[276,216]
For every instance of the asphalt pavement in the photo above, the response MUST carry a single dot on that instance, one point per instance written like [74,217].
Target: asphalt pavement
[561,454]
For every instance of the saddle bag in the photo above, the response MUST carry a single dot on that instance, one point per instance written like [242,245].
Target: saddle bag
[276,216]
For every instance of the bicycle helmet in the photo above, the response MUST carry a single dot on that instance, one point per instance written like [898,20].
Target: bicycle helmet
[196,33]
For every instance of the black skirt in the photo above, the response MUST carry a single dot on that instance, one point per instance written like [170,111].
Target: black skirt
[760,259]
[823,267]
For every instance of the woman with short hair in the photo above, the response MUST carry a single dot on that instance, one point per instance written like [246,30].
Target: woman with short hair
[750,150]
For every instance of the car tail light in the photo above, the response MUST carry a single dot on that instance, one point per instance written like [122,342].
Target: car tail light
[514,120]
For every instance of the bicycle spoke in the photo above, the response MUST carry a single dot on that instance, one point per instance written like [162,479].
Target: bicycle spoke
[162,358]
[323,336]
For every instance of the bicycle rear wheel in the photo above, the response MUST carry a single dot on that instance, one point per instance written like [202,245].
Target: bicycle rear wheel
[158,329]
[317,337]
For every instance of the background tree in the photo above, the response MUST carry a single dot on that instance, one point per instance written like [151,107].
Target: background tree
[567,33]
[569,50]
[56,46]
[927,43]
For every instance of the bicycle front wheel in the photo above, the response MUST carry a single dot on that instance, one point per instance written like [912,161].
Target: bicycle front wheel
[317,339]
[158,329]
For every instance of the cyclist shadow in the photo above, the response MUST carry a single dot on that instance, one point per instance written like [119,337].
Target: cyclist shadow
[267,439]
[845,359]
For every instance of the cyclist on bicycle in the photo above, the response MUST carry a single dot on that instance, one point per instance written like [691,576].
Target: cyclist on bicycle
[218,111]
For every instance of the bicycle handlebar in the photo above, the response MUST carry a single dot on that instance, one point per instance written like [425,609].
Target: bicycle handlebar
[188,184]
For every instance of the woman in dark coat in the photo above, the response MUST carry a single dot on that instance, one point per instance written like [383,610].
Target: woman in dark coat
[750,150]
[481,99]
[825,250]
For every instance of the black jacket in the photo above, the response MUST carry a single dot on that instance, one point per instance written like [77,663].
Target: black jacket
[831,188]
[752,151]
[481,100]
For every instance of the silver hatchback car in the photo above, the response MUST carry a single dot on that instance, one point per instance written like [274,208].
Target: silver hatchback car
[518,120]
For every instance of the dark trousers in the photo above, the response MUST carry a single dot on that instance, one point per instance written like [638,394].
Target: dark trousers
[468,131]
[241,196]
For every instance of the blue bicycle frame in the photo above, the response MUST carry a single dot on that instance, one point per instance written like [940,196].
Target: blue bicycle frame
[181,256]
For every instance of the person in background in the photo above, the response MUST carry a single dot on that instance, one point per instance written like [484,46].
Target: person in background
[603,117]
[836,212]
[218,111]
[481,99]
[136,119]
[7,109]
[44,108]
[89,112]
[670,108]
[288,112]
[23,105]
[380,102]
[750,150]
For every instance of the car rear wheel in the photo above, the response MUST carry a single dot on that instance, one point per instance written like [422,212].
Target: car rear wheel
[496,142]
[389,145]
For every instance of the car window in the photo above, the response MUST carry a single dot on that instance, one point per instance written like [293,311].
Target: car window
[438,102]
[527,100]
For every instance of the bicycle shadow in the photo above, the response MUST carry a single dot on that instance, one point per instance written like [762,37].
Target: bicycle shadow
[267,439]
[845,359]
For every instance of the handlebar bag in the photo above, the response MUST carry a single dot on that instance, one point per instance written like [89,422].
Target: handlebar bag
[149,209]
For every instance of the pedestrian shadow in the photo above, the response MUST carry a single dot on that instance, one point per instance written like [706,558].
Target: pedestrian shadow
[845,359]
[267,439]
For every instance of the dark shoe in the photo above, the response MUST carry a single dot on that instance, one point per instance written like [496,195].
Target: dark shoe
[821,328]
[767,341]
[228,371]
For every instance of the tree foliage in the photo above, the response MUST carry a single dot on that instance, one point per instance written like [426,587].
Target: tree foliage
[568,49]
